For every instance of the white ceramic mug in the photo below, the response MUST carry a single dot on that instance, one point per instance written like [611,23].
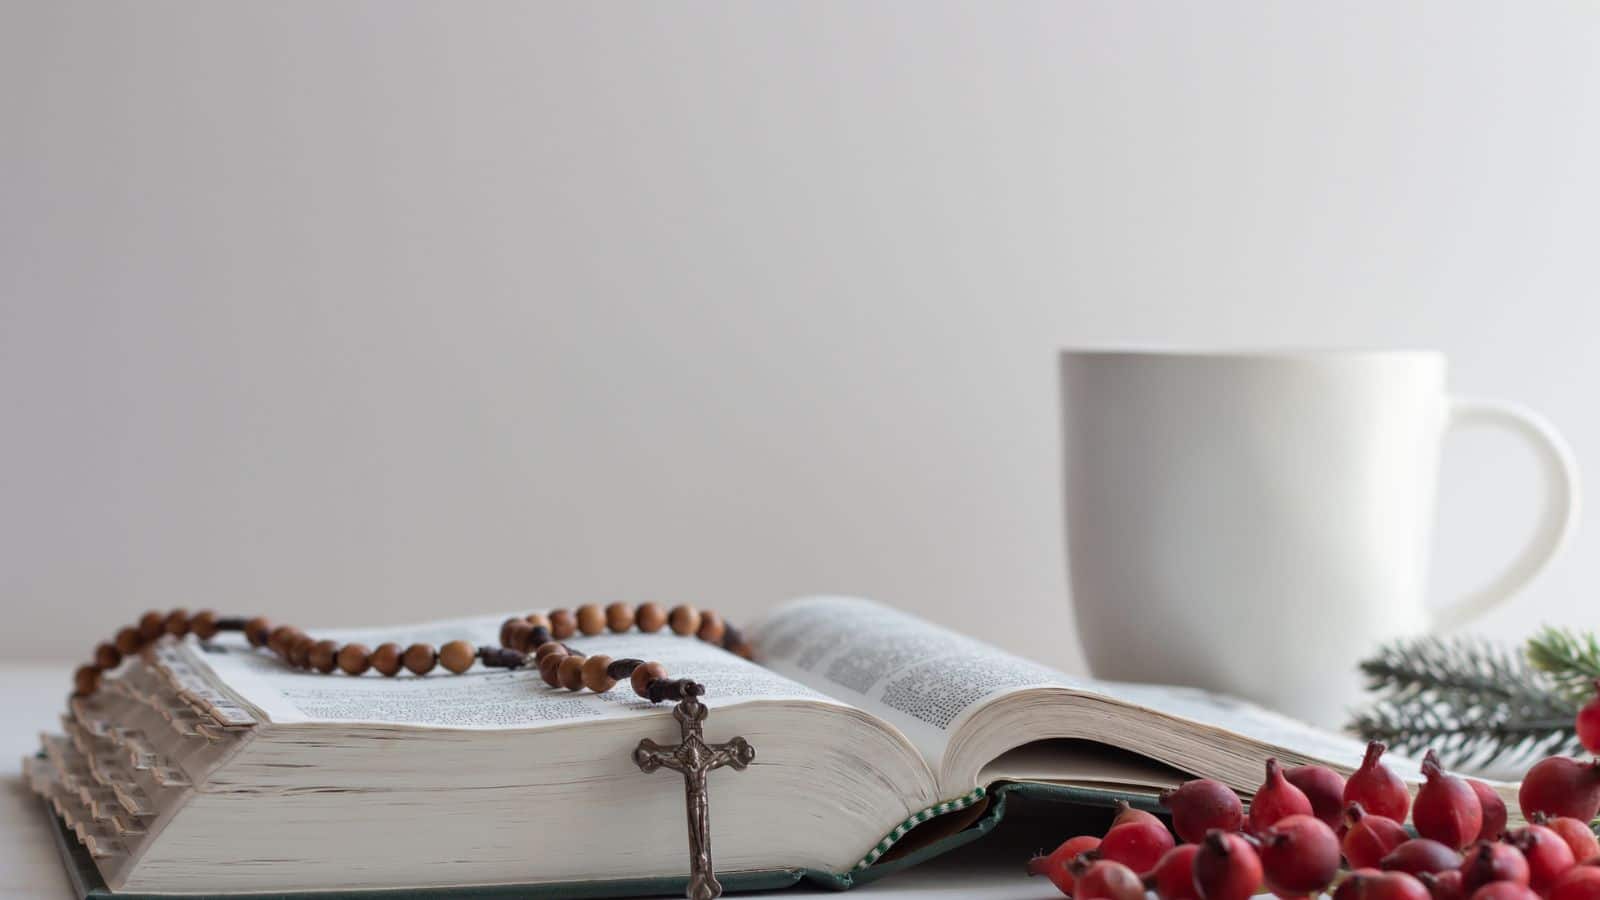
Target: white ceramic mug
[1257,523]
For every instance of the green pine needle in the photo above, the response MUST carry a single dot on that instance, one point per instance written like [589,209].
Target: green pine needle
[1569,659]
[1475,702]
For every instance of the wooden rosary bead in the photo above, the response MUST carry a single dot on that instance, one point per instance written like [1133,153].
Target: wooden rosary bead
[550,668]
[595,677]
[354,659]
[152,625]
[650,617]
[550,648]
[538,636]
[743,650]
[457,656]
[505,630]
[300,650]
[591,619]
[684,619]
[324,656]
[85,680]
[281,638]
[386,659]
[258,630]
[643,675]
[570,672]
[177,622]
[107,657]
[516,635]
[420,658]
[204,624]
[128,641]
[711,627]
[562,624]
[619,617]
[538,620]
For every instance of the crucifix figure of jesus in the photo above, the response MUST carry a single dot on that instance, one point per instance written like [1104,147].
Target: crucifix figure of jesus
[693,757]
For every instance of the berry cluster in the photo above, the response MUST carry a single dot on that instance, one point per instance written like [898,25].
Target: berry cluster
[1306,823]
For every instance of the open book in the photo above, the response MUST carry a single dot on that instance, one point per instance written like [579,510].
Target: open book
[212,768]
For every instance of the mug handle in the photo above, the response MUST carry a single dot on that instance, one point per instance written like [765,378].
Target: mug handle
[1561,503]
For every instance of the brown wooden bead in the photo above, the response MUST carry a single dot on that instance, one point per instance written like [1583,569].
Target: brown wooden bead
[711,627]
[281,638]
[457,656]
[177,623]
[152,625]
[517,635]
[563,624]
[619,617]
[650,617]
[550,669]
[354,659]
[684,619]
[258,630]
[594,674]
[744,650]
[505,631]
[642,676]
[551,648]
[570,672]
[85,680]
[324,656]
[300,650]
[591,619]
[106,657]
[420,658]
[128,641]
[386,659]
[204,624]
[538,619]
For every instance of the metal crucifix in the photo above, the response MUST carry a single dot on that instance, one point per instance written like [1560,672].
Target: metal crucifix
[694,758]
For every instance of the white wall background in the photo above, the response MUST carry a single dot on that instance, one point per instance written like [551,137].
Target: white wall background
[378,311]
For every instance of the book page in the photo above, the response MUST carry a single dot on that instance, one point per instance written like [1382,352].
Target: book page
[481,698]
[927,680]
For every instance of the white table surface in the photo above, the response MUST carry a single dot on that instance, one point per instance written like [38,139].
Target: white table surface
[32,697]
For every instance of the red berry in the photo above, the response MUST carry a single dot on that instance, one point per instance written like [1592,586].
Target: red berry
[1173,876]
[1299,855]
[1504,890]
[1106,879]
[1560,786]
[1589,722]
[1379,791]
[1580,883]
[1578,835]
[1420,855]
[1447,809]
[1276,799]
[1443,885]
[1057,864]
[1324,788]
[1371,884]
[1126,814]
[1201,805]
[1137,844]
[1494,811]
[1547,854]
[1490,861]
[1368,839]
[1226,868]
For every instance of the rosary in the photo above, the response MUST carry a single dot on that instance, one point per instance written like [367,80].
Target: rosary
[534,640]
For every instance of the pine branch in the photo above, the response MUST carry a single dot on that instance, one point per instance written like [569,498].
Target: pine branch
[1570,660]
[1468,699]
